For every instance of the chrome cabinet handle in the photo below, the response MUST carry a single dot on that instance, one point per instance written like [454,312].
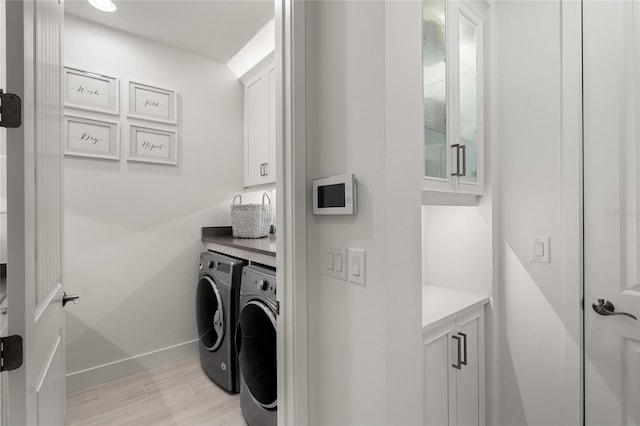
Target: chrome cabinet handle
[606,308]
[464,345]
[463,148]
[66,298]
[457,147]
[458,365]
[261,169]
[266,173]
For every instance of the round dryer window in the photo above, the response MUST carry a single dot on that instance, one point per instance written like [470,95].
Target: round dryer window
[256,345]
[209,313]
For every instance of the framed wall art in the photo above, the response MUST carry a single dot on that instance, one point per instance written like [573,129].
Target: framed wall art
[91,91]
[87,137]
[152,103]
[153,145]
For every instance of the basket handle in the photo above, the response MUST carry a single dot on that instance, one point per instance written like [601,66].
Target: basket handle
[266,195]
[234,199]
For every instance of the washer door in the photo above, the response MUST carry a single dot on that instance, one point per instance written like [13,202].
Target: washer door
[209,314]
[256,346]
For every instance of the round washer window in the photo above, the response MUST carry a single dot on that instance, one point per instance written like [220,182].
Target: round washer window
[256,345]
[209,313]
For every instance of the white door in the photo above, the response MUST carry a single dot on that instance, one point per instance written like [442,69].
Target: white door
[470,381]
[439,379]
[4,385]
[35,211]
[611,40]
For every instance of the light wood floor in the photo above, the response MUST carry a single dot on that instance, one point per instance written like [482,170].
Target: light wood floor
[176,394]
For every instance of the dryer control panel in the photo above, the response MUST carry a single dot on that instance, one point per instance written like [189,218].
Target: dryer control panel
[258,281]
[265,286]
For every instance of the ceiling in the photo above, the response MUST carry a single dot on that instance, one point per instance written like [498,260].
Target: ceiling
[216,29]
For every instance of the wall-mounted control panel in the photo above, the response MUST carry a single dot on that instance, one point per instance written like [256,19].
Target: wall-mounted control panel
[335,195]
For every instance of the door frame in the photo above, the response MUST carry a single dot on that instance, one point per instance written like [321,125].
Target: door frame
[291,183]
[291,221]
[572,213]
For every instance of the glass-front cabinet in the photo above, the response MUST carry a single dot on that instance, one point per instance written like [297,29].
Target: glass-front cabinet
[452,96]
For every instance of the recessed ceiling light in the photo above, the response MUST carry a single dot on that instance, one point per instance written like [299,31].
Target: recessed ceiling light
[103,5]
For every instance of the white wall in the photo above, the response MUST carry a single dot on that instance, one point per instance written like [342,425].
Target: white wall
[530,328]
[457,249]
[364,117]
[526,363]
[133,229]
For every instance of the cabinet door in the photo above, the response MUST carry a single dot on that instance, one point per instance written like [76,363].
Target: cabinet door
[439,377]
[469,103]
[470,378]
[435,91]
[452,96]
[270,167]
[256,151]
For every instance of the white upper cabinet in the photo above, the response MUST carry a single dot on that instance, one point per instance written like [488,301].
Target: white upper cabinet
[259,128]
[452,40]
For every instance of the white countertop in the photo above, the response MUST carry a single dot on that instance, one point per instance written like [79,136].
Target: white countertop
[440,304]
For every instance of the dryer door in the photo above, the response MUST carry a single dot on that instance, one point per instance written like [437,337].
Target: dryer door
[256,346]
[209,313]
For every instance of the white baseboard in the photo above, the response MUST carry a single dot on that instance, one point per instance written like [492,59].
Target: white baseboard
[79,380]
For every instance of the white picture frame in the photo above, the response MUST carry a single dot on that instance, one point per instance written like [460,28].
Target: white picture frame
[88,137]
[152,145]
[91,91]
[152,103]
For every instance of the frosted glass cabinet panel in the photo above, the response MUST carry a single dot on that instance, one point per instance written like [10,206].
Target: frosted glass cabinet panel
[468,71]
[452,96]
[435,89]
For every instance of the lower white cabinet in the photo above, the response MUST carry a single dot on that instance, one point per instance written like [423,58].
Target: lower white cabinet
[454,381]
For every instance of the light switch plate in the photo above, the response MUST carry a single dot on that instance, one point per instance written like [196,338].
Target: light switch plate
[540,249]
[357,266]
[339,263]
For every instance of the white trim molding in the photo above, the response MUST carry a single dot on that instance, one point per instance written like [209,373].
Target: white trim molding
[291,182]
[572,202]
[135,364]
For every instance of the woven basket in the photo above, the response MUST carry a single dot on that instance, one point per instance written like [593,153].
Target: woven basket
[250,220]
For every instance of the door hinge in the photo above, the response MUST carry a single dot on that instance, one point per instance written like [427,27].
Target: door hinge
[10,110]
[10,353]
